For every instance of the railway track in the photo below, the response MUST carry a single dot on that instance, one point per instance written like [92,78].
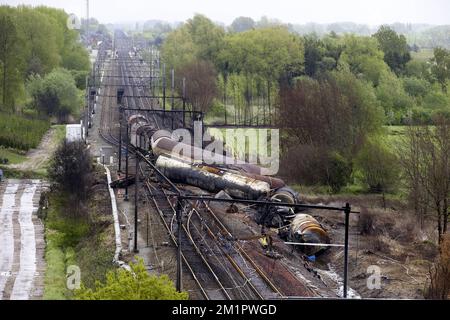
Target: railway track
[221,270]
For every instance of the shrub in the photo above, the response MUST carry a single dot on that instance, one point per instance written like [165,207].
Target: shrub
[70,172]
[56,94]
[366,222]
[379,167]
[135,284]
[338,172]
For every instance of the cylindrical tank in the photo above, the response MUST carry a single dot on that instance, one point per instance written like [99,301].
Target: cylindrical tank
[306,229]
[285,194]
[212,179]
[163,143]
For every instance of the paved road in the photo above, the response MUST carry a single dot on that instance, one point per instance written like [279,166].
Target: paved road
[22,243]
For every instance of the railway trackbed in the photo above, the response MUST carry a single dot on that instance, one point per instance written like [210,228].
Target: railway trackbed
[221,269]
[216,264]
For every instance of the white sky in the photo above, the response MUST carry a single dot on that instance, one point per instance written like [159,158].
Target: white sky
[371,12]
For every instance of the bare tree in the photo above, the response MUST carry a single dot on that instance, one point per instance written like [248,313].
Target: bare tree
[201,84]
[425,159]
[439,285]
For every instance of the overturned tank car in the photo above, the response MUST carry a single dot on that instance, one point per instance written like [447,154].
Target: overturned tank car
[305,229]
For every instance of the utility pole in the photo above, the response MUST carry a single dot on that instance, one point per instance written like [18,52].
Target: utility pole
[86,125]
[179,266]
[172,87]
[184,102]
[120,93]
[120,138]
[126,165]
[347,211]
[87,21]
[164,91]
[136,182]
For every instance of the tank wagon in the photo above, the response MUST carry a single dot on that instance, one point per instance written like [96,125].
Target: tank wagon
[237,178]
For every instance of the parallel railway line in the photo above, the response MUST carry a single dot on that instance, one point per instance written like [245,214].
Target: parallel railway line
[220,273]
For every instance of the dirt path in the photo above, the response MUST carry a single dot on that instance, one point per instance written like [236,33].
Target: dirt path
[22,246]
[39,157]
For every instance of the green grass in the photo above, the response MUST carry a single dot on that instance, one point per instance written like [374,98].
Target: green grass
[21,133]
[13,156]
[86,243]
[395,136]
[23,174]
[423,55]
[62,235]
[60,132]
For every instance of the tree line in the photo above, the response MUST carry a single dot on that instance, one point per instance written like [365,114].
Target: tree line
[332,96]
[253,63]
[35,42]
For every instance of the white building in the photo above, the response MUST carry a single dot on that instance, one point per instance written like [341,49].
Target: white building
[74,132]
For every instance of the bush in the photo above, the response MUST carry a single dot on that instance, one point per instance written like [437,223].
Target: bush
[136,284]
[379,167]
[416,87]
[56,94]
[70,172]
[311,165]
[339,172]
[366,222]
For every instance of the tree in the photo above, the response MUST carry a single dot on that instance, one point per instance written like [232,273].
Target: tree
[70,172]
[55,95]
[40,41]
[34,41]
[201,84]
[10,74]
[135,284]
[379,167]
[242,24]
[439,286]
[395,48]
[325,124]
[179,49]
[270,55]
[313,54]
[440,67]
[363,57]
[425,158]
[321,55]
[418,69]
[393,98]
[207,37]
[416,87]
[367,115]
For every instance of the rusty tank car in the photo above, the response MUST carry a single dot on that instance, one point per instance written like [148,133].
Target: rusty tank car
[305,229]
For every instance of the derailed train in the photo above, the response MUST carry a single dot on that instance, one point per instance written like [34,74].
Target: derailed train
[238,179]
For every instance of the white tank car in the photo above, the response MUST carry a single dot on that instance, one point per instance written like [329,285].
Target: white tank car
[212,179]
[163,143]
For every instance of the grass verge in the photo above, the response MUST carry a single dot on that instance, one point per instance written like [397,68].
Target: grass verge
[85,242]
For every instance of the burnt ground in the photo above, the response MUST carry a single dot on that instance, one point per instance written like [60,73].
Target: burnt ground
[285,267]
[394,242]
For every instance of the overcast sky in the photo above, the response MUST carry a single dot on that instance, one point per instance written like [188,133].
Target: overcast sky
[371,12]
